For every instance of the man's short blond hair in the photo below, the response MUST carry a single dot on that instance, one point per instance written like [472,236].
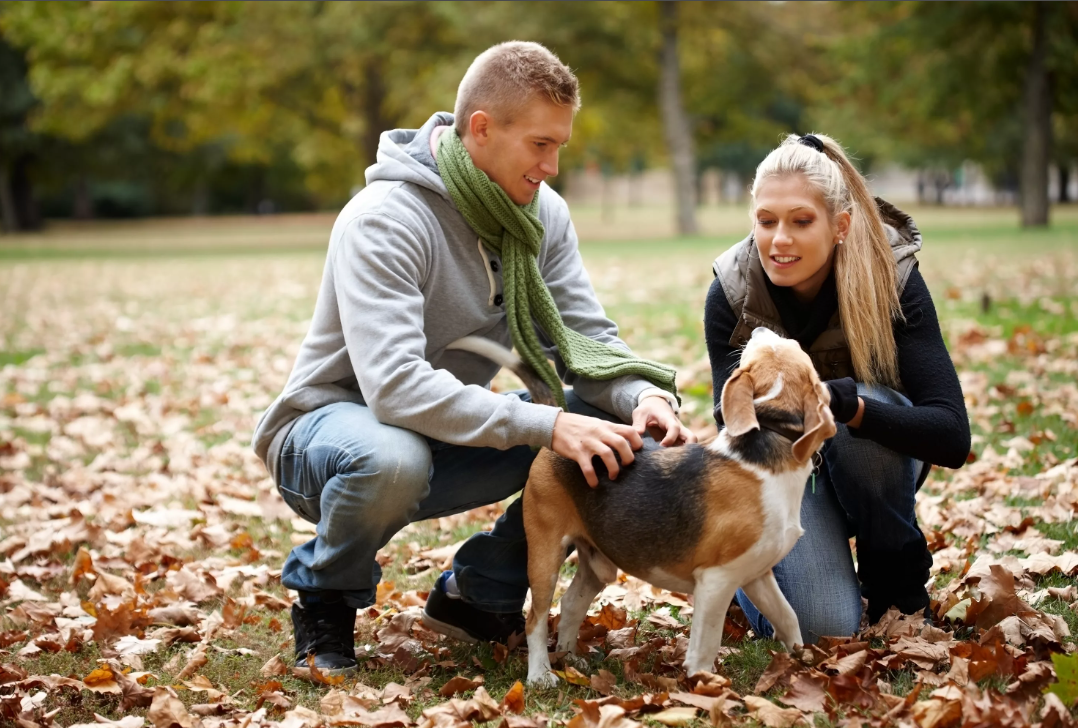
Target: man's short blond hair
[505,78]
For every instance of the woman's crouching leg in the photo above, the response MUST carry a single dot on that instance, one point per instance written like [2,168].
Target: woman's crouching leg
[817,577]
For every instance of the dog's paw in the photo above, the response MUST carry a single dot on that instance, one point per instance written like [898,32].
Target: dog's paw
[543,680]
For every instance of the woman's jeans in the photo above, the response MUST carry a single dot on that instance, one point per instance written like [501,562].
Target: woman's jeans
[862,490]
[361,482]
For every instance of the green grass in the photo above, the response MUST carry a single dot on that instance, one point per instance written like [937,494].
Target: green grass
[18,357]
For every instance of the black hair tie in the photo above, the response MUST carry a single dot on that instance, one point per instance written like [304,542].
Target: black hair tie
[811,140]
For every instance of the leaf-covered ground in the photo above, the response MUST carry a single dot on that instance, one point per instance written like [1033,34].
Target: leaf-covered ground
[141,541]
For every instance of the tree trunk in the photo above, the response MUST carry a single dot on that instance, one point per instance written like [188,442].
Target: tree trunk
[1065,182]
[676,122]
[1036,148]
[27,214]
[200,197]
[83,208]
[374,97]
[9,219]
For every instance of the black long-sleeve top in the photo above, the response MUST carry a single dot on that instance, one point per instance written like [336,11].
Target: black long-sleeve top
[935,429]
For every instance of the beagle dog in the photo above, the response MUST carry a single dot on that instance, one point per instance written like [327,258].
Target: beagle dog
[705,518]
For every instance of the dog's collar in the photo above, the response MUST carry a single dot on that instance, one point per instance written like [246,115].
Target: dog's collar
[789,433]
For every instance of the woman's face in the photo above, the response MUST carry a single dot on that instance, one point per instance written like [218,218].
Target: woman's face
[795,236]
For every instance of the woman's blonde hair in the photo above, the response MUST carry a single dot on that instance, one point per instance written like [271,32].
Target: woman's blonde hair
[864,265]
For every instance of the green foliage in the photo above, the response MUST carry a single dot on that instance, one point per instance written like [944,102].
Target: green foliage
[933,84]
[1067,673]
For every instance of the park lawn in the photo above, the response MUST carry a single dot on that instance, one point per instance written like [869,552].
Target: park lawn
[131,377]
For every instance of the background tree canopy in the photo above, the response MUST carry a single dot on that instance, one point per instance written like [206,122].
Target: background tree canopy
[113,108]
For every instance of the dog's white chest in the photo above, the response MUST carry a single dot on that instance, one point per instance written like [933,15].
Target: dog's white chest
[782,497]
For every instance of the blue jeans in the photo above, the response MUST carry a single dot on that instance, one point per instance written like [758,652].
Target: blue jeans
[361,482]
[863,490]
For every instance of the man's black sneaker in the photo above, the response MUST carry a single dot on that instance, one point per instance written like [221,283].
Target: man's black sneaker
[324,624]
[453,618]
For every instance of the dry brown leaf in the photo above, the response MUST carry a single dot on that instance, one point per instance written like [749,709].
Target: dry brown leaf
[195,660]
[937,713]
[523,721]
[181,614]
[514,697]
[777,673]
[612,617]
[273,667]
[170,635]
[300,717]
[130,721]
[167,711]
[459,684]
[573,676]
[604,682]
[192,587]
[708,683]
[83,565]
[394,693]
[592,715]
[807,693]
[107,584]
[772,715]
[674,716]
[134,694]
[102,680]
[127,618]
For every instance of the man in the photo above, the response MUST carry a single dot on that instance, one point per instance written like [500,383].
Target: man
[380,425]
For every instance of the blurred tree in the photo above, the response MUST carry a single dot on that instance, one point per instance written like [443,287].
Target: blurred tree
[934,84]
[322,79]
[18,210]
[676,125]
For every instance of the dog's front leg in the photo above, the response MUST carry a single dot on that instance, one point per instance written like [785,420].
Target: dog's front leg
[768,598]
[714,589]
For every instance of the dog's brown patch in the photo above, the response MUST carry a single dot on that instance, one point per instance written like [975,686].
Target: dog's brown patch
[735,519]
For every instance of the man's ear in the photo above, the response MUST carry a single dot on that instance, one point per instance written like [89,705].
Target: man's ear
[819,423]
[479,127]
[737,409]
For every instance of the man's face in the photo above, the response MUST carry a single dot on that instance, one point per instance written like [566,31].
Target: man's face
[521,154]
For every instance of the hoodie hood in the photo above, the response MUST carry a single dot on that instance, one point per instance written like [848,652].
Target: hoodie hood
[404,156]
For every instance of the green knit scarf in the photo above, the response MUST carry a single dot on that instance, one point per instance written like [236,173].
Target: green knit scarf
[515,233]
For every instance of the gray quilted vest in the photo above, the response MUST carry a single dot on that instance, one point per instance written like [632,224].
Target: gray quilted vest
[742,277]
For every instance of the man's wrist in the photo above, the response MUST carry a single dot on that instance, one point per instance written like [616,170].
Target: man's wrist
[656,392]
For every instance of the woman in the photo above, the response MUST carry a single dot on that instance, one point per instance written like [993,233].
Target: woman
[833,268]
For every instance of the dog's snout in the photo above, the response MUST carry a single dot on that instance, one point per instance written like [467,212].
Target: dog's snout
[761,332]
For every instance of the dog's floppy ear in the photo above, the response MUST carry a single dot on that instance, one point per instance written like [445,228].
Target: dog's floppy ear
[819,423]
[738,412]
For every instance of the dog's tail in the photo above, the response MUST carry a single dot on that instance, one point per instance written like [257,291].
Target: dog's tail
[540,392]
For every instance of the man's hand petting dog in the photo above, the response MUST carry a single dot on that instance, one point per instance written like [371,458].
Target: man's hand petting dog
[580,438]
[655,416]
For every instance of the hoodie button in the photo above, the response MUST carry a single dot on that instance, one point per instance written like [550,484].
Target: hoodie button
[494,266]
[498,300]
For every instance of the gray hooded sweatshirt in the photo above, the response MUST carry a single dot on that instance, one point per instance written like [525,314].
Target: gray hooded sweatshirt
[404,277]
